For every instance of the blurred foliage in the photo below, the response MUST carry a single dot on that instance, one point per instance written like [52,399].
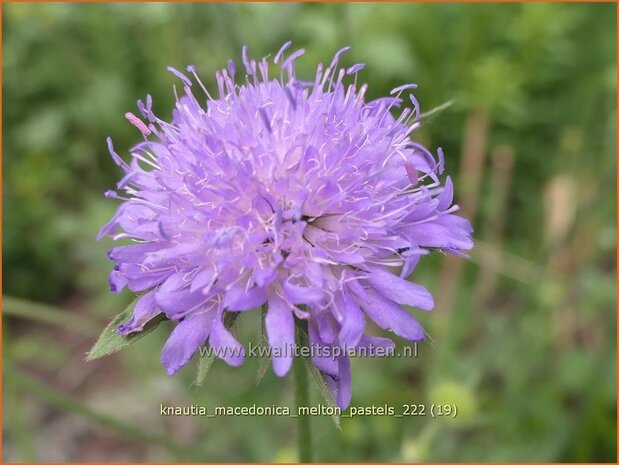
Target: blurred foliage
[533,369]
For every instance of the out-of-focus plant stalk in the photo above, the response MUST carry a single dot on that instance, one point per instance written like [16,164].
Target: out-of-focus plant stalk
[68,404]
[500,180]
[48,314]
[471,171]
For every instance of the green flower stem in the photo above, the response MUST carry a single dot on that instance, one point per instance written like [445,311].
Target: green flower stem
[301,394]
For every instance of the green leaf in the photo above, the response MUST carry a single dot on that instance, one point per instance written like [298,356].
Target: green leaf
[110,341]
[204,365]
[318,377]
[263,367]
[205,362]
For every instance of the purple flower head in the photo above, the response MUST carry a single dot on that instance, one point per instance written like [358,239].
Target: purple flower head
[301,197]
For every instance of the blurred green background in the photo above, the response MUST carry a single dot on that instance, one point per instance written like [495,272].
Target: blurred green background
[524,334]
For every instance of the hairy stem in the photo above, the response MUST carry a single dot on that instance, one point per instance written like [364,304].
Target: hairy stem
[301,394]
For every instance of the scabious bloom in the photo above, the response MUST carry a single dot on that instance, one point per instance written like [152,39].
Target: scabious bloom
[300,197]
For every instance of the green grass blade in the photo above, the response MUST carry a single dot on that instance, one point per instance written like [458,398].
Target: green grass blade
[48,314]
[67,403]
